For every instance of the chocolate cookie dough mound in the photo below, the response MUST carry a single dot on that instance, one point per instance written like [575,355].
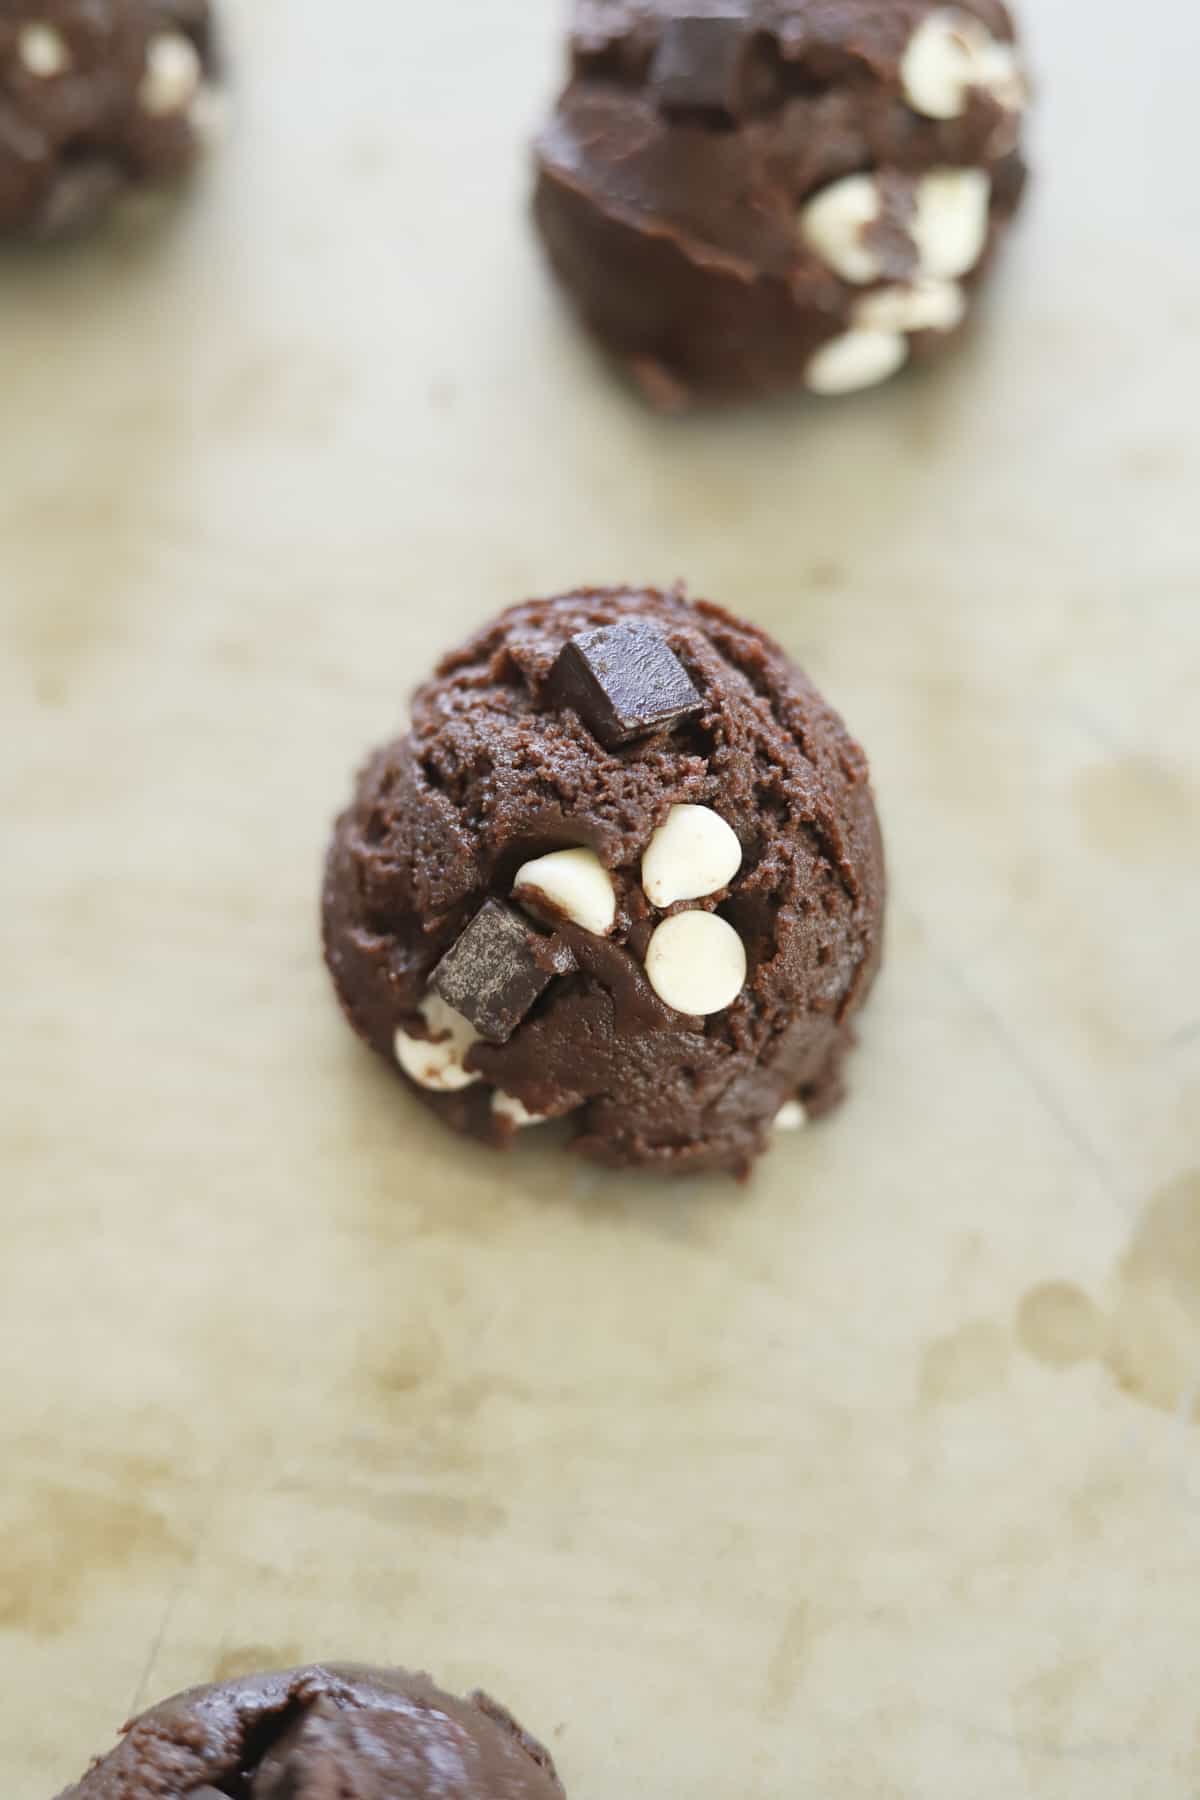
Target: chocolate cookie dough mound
[324,1733]
[625,870]
[99,98]
[743,196]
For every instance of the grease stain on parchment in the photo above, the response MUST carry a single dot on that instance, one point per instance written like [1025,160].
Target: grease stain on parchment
[409,1508]
[397,1363]
[64,1539]
[1135,808]
[1154,1347]
[786,1662]
[968,1363]
[1060,1325]
[1149,1338]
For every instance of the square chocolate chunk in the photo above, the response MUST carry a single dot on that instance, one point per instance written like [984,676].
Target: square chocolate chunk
[700,64]
[498,968]
[624,681]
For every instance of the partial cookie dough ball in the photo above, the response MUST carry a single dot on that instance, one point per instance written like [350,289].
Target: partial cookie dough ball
[624,870]
[747,196]
[324,1731]
[99,99]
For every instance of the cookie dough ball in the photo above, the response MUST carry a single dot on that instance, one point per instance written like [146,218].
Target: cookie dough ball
[745,196]
[99,98]
[624,870]
[311,1734]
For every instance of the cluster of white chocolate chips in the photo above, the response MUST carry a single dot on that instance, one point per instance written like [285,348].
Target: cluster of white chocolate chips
[695,960]
[949,57]
[172,78]
[618,682]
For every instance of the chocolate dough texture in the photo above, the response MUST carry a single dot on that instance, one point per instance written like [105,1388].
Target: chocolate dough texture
[749,196]
[624,870]
[323,1733]
[99,99]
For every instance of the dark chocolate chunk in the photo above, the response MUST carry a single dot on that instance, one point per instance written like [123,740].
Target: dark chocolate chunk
[498,968]
[700,65]
[624,681]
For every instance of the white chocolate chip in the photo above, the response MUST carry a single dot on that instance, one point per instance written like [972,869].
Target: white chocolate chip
[43,50]
[950,223]
[948,55]
[576,884]
[172,76]
[696,963]
[833,223]
[437,1063]
[790,1117]
[507,1106]
[921,306]
[1003,78]
[693,853]
[856,359]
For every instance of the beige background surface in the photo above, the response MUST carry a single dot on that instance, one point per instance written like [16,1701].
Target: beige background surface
[881,1478]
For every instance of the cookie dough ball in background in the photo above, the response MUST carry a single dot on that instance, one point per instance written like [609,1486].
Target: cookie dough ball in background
[745,196]
[320,1732]
[99,99]
[624,870]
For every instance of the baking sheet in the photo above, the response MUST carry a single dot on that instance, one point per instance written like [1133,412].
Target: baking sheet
[880,1478]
